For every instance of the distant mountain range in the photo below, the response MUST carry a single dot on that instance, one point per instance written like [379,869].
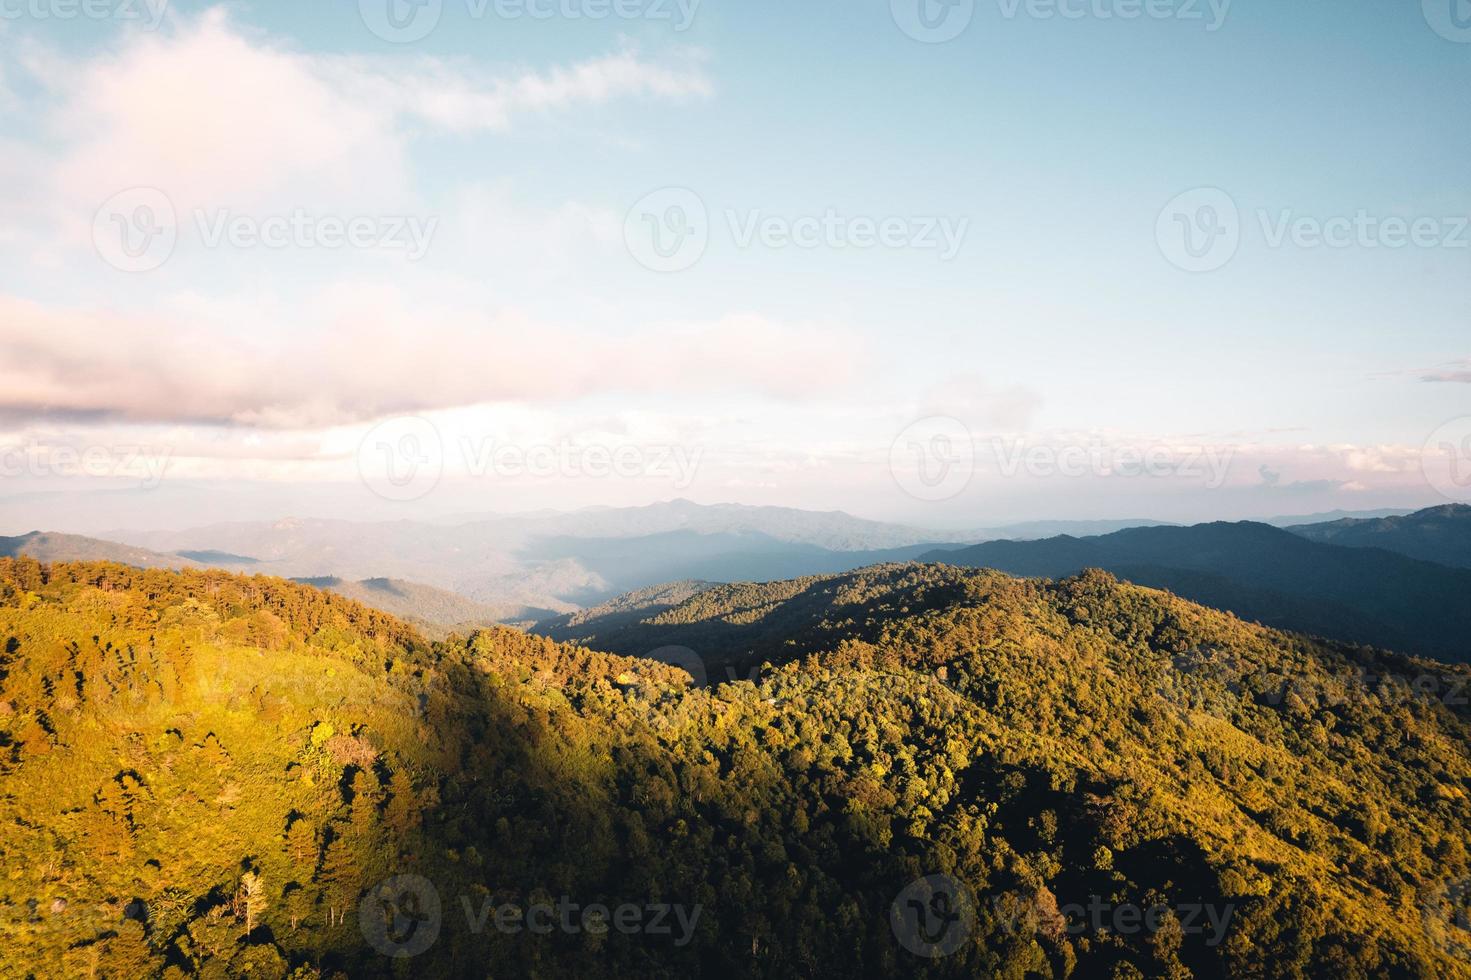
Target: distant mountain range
[555,562]
[51,547]
[577,573]
[580,557]
[1031,530]
[828,530]
[1440,534]
[435,611]
[1280,578]
[1324,517]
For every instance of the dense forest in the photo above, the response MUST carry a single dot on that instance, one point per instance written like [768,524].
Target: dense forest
[910,770]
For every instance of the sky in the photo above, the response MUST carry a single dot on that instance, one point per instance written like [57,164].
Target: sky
[955,263]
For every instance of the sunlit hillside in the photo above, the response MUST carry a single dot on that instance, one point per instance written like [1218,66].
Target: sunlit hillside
[219,774]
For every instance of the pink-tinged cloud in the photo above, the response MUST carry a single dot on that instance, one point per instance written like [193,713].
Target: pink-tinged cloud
[373,359]
[218,116]
[1451,376]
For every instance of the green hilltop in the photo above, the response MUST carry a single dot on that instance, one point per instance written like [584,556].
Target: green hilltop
[209,775]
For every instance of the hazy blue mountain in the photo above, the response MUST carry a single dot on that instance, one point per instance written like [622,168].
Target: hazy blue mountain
[559,562]
[1439,534]
[1032,530]
[221,559]
[435,610]
[475,561]
[1259,572]
[515,570]
[1293,520]
[830,530]
[626,564]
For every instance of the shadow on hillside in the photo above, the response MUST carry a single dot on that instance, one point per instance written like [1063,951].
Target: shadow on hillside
[542,859]
[735,629]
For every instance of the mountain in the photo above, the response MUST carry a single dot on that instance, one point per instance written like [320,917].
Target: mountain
[1031,530]
[1334,515]
[559,561]
[628,564]
[48,546]
[630,609]
[824,530]
[435,611]
[944,772]
[1439,534]
[219,559]
[1259,572]
[478,561]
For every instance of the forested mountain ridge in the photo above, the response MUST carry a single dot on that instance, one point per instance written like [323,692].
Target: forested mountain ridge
[625,610]
[1438,534]
[1364,595]
[207,774]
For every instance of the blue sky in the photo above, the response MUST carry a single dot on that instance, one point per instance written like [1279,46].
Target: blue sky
[1049,145]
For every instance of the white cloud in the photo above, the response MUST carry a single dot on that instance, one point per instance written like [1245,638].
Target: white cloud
[980,403]
[487,225]
[372,351]
[443,94]
[215,118]
[218,116]
[1457,373]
